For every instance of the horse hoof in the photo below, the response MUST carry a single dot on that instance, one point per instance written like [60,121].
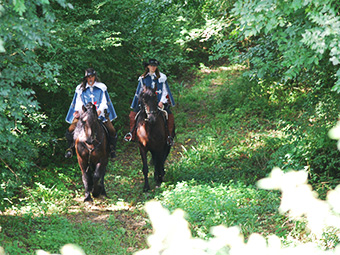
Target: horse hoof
[95,195]
[159,179]
[97,192]
[104,194]
[88,199]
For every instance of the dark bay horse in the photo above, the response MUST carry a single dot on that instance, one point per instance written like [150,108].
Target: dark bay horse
[151,132]
[92,149]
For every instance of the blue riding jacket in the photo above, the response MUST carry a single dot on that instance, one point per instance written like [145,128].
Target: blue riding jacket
[96,94]
[163,91]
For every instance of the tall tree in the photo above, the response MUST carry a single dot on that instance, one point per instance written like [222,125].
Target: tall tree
[25,27]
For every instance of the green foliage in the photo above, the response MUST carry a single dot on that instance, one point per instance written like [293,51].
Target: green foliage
[305,123]
[290,41]
[23,125]
[251,127]
[277,114]
[229,204]
[225,151]
[53,232]
[46,45]
[320,217]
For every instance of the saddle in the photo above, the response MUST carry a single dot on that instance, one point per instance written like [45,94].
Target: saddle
[164,114]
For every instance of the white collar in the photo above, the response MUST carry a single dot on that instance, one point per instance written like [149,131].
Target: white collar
[89,86]
[152,74]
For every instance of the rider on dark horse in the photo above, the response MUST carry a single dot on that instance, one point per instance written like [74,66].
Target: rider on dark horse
[153,78]
[91,90]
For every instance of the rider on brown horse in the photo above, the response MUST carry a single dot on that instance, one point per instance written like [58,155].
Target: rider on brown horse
[153,78]
[91,90]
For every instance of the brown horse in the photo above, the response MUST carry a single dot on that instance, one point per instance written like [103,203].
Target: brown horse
[151,131]
[92,149]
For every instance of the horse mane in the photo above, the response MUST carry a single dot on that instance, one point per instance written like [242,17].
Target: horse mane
[78,130]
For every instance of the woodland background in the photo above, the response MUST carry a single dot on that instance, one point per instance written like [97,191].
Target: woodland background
[289,50]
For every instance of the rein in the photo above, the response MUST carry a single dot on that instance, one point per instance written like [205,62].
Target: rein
[164,111]
[90,152]
[149,112]
[154,112]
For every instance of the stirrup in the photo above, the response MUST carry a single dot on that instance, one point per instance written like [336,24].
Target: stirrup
[170,141]
[128,137]
[69,153]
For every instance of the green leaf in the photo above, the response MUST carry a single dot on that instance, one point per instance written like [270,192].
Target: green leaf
[19,6]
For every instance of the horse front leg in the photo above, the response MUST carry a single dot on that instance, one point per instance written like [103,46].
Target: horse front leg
[88,187]
[87,181]
[143,153]
[85,170]
[98,181]
[159,168]
[103,192]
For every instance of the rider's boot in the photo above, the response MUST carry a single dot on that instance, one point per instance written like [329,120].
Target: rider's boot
[132,134]
[171,129]
[113,144]
[70,150]
[112,135]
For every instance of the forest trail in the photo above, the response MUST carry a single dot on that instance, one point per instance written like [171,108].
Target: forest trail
[121,214]
[126,207]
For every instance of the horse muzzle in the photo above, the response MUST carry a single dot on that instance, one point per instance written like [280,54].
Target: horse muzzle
[90,141]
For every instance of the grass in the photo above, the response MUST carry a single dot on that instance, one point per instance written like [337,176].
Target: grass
[29,233]
[225,142]
[230,204]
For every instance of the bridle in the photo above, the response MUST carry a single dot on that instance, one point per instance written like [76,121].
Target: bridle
[95,146]
[148,113]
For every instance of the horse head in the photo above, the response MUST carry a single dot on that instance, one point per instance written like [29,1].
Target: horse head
[149,103]
[89,119]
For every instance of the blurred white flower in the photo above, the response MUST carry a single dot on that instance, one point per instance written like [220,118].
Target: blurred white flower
[280,180]
[334,133]
[171,233]
[72,249]
[333,198]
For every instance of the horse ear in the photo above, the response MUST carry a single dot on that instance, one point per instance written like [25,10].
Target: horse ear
[84,108]
[94,107]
